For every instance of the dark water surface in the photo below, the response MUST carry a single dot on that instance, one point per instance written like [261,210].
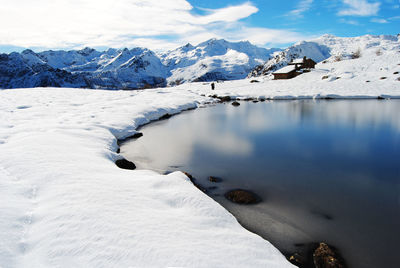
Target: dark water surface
[326,170]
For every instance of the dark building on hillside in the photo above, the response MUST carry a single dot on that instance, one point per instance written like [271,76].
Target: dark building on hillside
[294,68]
[287,72]
[303,63]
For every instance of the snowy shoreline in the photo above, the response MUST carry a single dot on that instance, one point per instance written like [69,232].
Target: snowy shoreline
[64,202]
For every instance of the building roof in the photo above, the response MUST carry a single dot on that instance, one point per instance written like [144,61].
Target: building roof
[286,70]
[298,60]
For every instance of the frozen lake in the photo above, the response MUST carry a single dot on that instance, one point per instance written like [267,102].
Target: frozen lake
[326,170]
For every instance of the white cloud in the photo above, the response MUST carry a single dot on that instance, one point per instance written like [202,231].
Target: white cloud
[228,14]
[382,21]
[261,36]
[359,8]
[351,22]
[302,7]
[157,24]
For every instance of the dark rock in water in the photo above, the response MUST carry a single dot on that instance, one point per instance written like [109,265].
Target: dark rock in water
[125,164]
[235,103]
[165,116]
[242,197]
[380,98]
[214,179]
[188,175]
[137,135]
[194,181]
[303,256]
[255,101]
[298,260]
[224,99]
[326,257]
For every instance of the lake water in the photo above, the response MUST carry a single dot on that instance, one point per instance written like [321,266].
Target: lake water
[326,170]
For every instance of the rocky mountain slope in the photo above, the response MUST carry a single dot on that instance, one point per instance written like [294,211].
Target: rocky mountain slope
[213,60]
[209,61]
[328,48]
[130,68]
[111,69]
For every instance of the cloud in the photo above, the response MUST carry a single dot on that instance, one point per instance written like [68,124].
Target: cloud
[261,36]
[155,24]
[351,22]
[303,6]
[359,8]
[228,14]
[381,21]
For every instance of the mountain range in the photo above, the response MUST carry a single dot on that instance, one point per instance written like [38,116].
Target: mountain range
[130,68]
[142,68]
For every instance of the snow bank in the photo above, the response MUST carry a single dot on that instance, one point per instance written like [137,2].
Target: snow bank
[64,203]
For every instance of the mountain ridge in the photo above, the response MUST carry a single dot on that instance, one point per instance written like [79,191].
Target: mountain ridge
[325,48]
[214,59]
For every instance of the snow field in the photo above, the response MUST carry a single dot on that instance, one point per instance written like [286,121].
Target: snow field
[64,203]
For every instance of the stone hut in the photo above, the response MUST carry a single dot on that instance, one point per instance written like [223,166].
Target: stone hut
[287,72]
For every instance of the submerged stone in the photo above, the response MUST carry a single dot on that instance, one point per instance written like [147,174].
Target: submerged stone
[194,181]
[298,260]
[235,103]
[243,197]
[326,257]
[214,179]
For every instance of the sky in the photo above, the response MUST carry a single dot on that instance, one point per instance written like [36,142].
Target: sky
[167,24]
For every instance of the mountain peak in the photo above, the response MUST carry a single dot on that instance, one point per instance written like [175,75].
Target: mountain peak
[86,51]
[28,52]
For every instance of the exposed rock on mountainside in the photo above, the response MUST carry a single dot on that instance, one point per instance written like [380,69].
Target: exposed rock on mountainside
[130,68]
[327,48]
[213,60]
[209,61]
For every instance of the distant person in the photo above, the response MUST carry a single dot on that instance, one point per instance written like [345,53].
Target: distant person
[212,86]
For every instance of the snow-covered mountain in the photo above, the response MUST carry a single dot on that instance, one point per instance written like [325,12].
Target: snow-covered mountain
[142,68]
[131,68]
[213,60]
[327,48]
[111,69]
[26,69]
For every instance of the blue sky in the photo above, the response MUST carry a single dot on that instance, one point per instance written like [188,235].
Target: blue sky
[166,24]
[319,17]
